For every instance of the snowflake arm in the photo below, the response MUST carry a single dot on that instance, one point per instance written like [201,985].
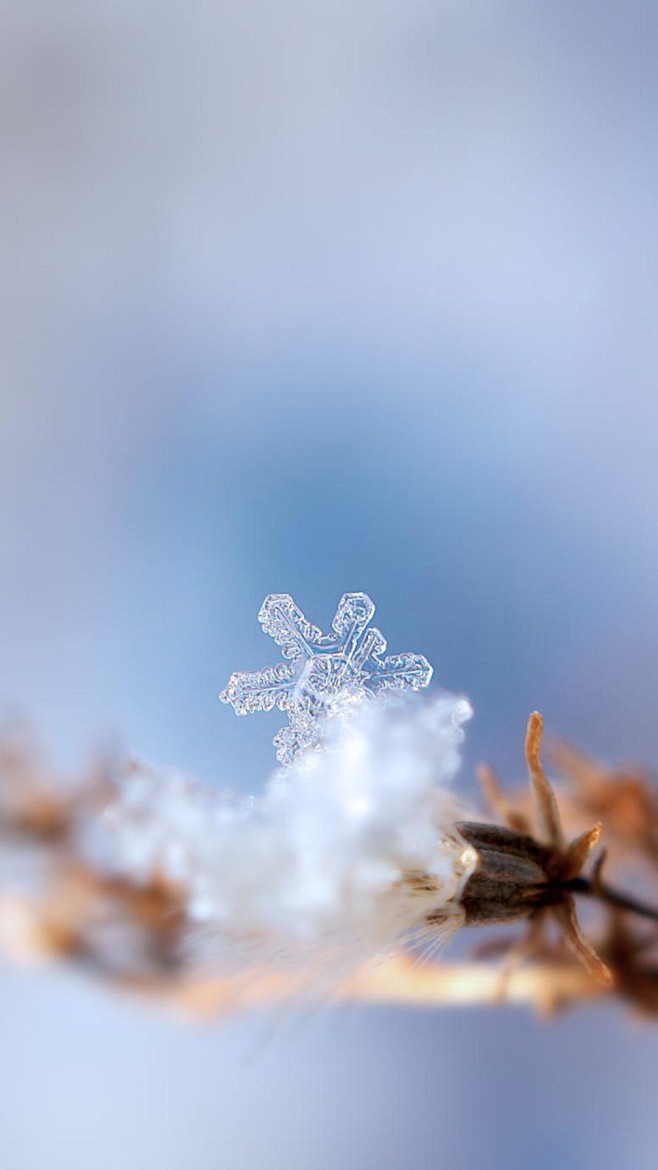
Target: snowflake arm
[399,672]
[260,690]
[285,622]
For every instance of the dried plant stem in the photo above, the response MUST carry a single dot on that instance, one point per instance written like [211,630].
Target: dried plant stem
[611,897]
[580,946]
[494,794]
[542,985]
[400,981]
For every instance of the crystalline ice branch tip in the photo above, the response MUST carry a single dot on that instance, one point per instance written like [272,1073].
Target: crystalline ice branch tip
[321,674]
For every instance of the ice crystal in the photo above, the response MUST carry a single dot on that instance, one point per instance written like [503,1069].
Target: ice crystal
[322,673]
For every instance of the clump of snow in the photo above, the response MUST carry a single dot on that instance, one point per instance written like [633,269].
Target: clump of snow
[326,854]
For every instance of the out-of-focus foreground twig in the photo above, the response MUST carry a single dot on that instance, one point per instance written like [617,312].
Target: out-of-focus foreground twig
[55,905]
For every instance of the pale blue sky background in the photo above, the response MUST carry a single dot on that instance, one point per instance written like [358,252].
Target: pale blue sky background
[315,297]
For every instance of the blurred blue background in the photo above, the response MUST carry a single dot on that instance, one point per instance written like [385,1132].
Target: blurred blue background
[315,297]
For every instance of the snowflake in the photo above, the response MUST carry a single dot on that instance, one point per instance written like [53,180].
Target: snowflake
[322,673]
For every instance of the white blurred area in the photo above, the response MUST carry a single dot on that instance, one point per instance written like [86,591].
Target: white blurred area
[325,296]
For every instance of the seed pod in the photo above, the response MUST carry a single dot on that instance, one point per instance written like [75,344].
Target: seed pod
[510,879]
